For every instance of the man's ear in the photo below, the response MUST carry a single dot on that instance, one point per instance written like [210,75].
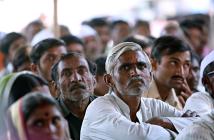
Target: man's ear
[34,68]
[108,80]
[154,63]
[94,81]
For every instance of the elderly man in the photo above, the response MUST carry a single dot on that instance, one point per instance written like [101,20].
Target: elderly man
[122,113]
[203,102]
[74,77]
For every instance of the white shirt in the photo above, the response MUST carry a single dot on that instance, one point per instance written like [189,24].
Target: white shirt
[200,102]
[108,118]
[200,130]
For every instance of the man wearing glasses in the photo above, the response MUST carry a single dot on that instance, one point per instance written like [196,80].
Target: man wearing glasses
[203,102]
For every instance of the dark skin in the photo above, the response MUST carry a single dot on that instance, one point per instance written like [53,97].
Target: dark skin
[171,72]
[131,65]
[76,84]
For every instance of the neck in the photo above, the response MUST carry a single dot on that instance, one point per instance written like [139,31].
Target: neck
[77,108]
[163,90]
[133,103]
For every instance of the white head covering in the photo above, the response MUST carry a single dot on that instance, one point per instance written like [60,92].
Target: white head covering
[116,51]
[205,62]
[43,34]
[86,31]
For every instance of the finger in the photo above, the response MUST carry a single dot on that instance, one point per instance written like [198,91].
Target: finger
[184,95]
[181,99]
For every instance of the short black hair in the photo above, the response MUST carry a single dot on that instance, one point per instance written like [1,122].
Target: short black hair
[54,69]
[70,39]
[35,100]
[144,42]
[116,22]
[20,57]
[7,40]
[167,45]
[42,46]
[23,84]
[100,62]
[98,22]
[142,23]
[190,23]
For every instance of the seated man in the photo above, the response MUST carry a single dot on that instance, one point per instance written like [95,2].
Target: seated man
[122,113]
[201,102]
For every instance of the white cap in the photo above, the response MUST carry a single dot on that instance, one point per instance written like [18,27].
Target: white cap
[206,61]
[43,34]
[86,31]
[116,51]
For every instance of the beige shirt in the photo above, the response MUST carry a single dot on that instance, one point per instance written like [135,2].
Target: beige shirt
[172,98]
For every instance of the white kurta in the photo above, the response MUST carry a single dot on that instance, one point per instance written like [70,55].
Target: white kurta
[108,118]
[200,102]
[200,130]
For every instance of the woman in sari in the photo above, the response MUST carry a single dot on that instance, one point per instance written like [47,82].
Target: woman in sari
[36,117]
[13,87]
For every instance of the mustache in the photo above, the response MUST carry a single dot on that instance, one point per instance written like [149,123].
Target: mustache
[77,85]
[178,77]
[136,79]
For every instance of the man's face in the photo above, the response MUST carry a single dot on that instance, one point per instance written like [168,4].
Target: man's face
[120,32]
[193,77]
[172,69]
[14,46]
[76,83]
[92,47]
[48,59]
[131,75]
[104,33]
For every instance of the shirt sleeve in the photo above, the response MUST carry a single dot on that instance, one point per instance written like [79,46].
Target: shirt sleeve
[198,102]
[195,132]
[103,120]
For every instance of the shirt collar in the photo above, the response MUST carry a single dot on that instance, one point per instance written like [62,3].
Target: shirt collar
[124,108]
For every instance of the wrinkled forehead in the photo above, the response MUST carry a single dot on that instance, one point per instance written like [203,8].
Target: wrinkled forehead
[133,57]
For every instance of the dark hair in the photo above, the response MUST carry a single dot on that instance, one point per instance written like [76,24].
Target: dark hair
[21,56]
[144,42]
[70,39]
[22,85]
[116,22]
[98,22]
[41,47]
[54,70]
[188,24]
[34,100]
[8,39]
[100,62]
[167,45]
[142,23]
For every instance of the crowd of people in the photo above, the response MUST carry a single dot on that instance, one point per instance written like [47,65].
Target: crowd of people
[111,82]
